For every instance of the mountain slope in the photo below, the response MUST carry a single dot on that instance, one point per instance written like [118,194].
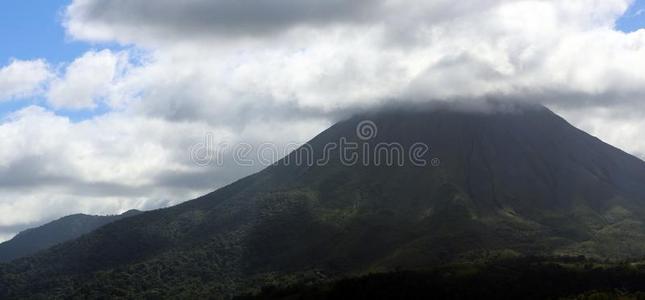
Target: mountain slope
[516,181]
[65,229]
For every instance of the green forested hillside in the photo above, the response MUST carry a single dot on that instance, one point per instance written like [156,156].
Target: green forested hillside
[521,278]
[68,228]
[509,184]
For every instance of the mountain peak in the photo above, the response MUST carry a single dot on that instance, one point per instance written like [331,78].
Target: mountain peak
[516,179]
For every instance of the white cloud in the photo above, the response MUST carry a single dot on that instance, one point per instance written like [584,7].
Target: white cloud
[21,79]
[51,167]
[392,49]
[87,80]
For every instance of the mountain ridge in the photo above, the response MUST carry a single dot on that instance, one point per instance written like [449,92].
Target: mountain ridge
[516,183]
[33,240]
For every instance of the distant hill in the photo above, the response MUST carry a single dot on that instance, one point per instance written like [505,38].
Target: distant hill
[511,182]
[68,228]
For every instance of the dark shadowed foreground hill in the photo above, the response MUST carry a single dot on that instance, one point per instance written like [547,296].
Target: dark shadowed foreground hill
[512,182]
[65,229]
[516,278]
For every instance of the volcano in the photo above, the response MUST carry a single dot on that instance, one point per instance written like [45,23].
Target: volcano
[510,181]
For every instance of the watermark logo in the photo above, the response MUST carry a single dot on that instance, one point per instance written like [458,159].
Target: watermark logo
[366,130]
[349,151]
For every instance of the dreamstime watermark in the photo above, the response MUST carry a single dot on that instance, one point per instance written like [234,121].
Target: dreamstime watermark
[363,150]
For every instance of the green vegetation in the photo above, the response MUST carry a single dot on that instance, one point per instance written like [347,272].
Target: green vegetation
[522,278]
[65,229]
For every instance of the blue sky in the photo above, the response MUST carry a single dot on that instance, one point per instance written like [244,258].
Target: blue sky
[32,29]
[634,18]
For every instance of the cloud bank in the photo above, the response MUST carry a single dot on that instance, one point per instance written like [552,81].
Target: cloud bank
[329,55]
